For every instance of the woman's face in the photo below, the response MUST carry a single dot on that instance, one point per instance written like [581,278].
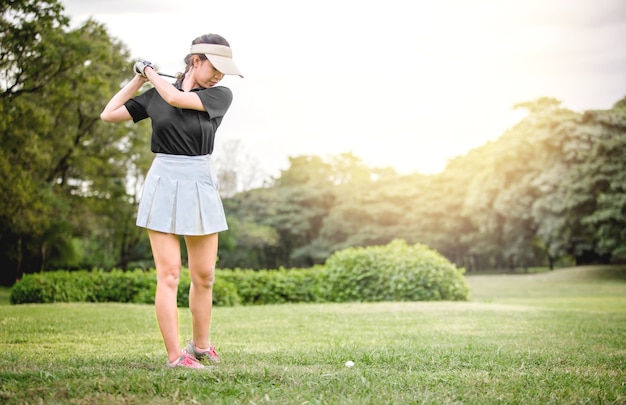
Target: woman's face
[205,74]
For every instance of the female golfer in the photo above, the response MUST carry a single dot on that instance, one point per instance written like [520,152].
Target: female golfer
[180,194]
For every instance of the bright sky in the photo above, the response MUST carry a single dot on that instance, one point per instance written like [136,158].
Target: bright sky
[407,84]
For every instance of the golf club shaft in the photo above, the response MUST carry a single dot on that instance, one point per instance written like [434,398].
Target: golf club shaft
[166,75]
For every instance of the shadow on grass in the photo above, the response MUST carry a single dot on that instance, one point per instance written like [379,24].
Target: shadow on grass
[5,296]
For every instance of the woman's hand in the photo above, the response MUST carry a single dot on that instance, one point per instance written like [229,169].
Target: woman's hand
[140,67]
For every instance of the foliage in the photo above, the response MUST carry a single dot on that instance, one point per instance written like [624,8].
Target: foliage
[232,287]
[246,242]
[606,182]
[258,287]
[65,177]
[549,191]
[136,286]
[82,286]
[394,272]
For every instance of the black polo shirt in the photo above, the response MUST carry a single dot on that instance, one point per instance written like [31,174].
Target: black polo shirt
[178,131]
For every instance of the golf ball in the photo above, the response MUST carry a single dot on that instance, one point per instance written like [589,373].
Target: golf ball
[349,363]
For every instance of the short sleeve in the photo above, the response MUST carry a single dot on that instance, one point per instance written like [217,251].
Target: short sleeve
[138,106]
[216,100]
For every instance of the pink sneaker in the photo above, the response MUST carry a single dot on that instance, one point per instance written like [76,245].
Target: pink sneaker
[210,354]
[186,361]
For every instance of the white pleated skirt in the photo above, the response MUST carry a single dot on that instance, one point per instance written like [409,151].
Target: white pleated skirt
[181,196]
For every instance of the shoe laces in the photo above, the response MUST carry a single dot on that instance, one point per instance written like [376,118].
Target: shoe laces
[189,361]
[212,351]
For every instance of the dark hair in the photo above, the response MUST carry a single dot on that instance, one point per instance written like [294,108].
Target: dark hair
[203,39]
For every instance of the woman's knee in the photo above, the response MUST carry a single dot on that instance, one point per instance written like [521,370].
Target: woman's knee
[202,251]
[203,279]
[169,276]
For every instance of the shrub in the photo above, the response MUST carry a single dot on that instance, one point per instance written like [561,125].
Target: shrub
[394,272]
[32,288]
[82,286]
[257,287]
[136,286]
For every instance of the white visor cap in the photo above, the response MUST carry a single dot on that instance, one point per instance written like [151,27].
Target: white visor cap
[220,56]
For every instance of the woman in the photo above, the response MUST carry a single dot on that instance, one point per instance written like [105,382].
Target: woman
[180,195]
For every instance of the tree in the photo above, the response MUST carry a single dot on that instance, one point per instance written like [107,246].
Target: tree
[64,175]
[605,182]
[305,196]
[552,188]
[250,242]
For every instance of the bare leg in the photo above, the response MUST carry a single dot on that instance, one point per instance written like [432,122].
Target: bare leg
[166,252]
[202,253]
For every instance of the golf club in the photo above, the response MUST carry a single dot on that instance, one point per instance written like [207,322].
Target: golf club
[166,75]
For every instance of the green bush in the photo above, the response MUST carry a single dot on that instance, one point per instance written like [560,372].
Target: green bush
[394,272]
[258,287]
[32,288]
[136,286]
[83,286]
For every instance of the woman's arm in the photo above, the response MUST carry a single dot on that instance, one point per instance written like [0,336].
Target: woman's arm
[171,95]
[115,111]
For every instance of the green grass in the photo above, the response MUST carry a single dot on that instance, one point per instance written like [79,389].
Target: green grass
[550,338]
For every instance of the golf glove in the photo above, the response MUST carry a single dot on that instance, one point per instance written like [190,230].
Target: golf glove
[140,67]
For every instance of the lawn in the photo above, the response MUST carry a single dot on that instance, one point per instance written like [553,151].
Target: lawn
[544,338]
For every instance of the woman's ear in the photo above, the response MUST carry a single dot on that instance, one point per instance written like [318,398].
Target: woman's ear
[195,61]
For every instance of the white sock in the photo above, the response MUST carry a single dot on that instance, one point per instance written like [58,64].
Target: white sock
[175,362]
[199,349]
